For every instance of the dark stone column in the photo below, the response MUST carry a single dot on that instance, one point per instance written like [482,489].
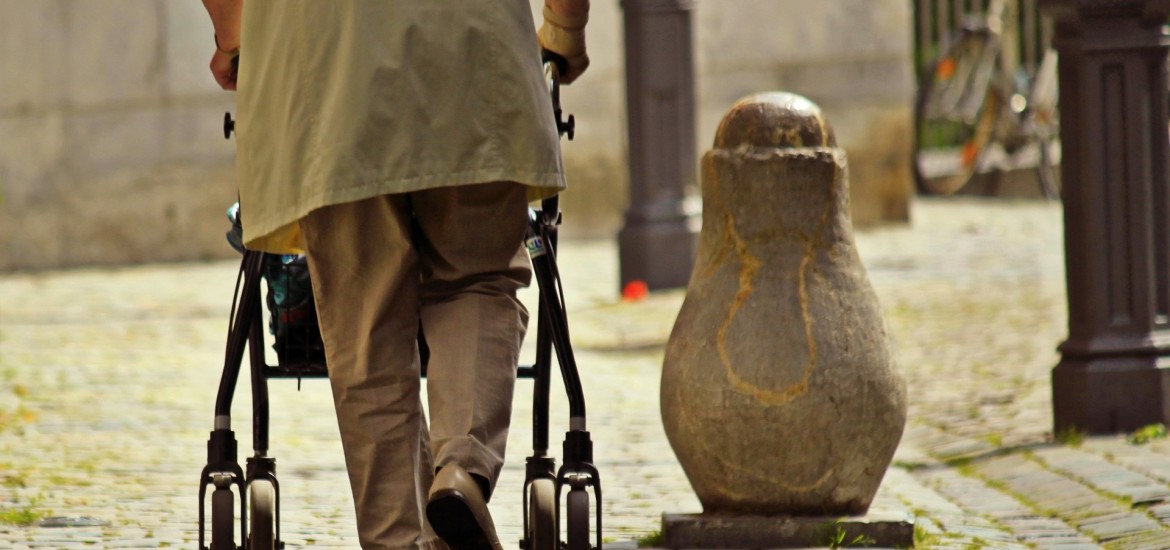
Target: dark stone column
[657,242]
[1113,374]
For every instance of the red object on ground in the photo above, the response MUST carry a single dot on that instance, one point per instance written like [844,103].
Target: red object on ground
[634,291]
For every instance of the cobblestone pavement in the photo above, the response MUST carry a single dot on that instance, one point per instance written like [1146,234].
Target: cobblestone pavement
[108,377]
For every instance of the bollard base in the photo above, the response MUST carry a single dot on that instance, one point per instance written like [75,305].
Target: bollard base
[876,529]
[660,254]
[1109,395]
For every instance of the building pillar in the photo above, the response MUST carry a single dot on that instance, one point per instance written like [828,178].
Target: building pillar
[1113,374]
[657,241]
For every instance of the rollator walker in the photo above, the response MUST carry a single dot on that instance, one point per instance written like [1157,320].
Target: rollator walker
[300,354]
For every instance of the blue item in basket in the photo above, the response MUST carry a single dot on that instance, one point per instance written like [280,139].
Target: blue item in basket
[292,311]
[235,236]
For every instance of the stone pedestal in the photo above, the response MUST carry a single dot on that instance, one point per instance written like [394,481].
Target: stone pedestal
[1113,374]
[779,393]
[882,530]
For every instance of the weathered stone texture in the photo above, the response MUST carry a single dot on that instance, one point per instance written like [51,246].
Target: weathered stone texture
[110,148]
[779,393]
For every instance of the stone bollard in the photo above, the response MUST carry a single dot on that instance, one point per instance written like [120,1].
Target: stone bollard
[779,392]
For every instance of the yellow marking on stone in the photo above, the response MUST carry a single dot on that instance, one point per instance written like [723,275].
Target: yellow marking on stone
[824,127]
[781,478]
[718,256]
[805,264]
[749,265]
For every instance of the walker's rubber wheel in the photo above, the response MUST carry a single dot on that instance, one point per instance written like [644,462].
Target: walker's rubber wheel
[223,520]
[577,510]
[542,515]
[262,515]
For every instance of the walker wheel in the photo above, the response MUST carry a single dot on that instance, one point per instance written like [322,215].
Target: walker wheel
[542,515]
[223,518]
[262,515]
[577,510]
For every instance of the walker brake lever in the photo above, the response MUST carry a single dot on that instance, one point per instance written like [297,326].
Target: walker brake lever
[229,126]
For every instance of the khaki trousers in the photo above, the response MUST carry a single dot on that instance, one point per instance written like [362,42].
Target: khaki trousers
[375,277]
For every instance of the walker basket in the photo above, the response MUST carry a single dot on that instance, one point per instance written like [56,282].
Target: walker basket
[292,320]
[292,312]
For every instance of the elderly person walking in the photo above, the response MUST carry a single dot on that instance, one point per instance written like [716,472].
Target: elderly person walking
[397,144]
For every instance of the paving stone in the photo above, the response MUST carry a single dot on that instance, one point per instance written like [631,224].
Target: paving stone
[1045,531]
[1142,459]
[1080,541]
[1141,541]
[1104,520]
[127,543]
[1120,527]
[1101,474]
[1161,512]
[916,496]
[117,369]
[1009,514]
[1068,546]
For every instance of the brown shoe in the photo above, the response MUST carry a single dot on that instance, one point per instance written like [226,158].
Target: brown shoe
[458,513]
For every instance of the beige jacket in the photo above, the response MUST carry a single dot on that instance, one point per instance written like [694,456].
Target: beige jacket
[343,100]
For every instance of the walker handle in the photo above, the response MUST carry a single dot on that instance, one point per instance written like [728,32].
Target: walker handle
[554,65]
[558,62]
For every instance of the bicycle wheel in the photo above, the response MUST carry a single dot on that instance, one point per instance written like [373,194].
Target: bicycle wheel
[1048,167]
[1044,123]
[262,515]
[955,115]
[542,515]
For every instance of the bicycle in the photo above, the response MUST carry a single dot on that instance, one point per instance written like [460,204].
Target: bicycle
[975,113]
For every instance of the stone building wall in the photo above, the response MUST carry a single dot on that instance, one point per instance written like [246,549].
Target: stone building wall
[852,57]
[111,149]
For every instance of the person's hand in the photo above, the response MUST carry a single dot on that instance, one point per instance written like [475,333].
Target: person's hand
[225,17]
[224,67]
[565,36]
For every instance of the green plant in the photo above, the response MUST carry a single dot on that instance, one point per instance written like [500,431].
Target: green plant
[909,466]
[21,517]
[1073,437]
[1146,434]
[962,463]
[652,540]
[834,535]
[924,538]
